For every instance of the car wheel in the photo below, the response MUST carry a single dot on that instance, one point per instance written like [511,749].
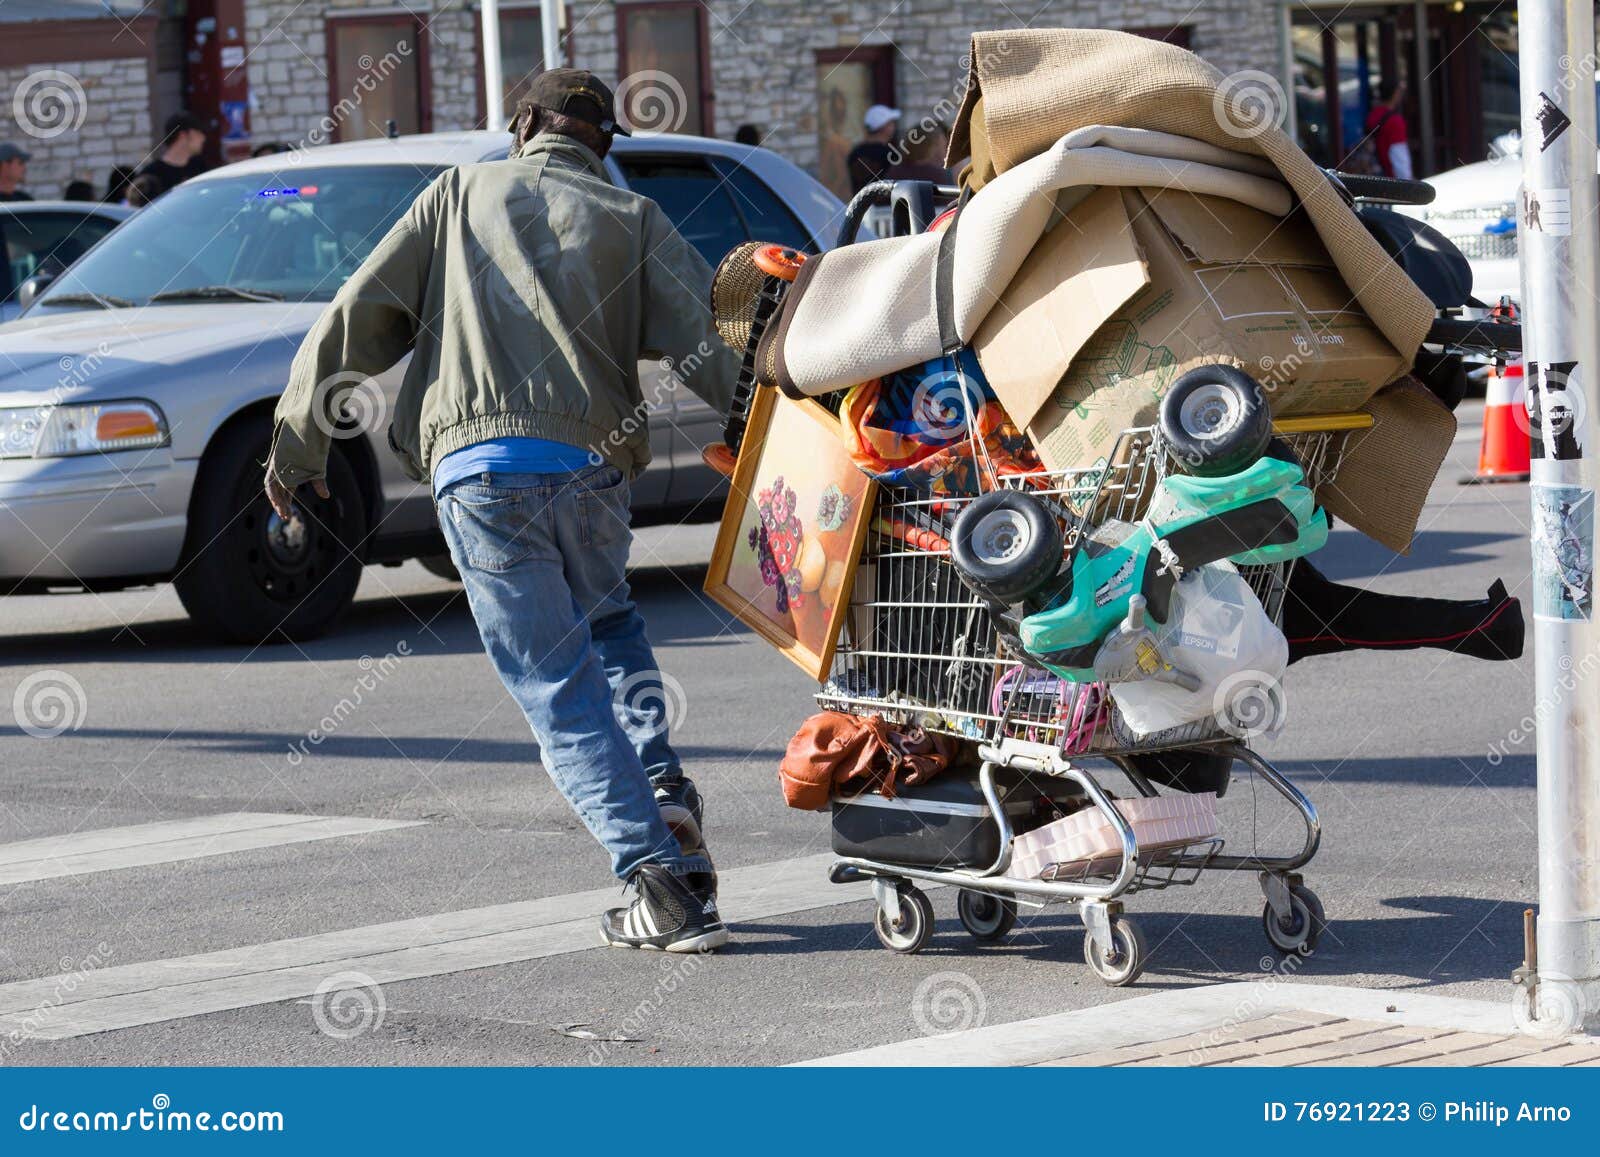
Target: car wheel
[250,577]
[442,565]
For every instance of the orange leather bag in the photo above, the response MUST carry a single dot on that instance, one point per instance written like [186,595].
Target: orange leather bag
[833,749]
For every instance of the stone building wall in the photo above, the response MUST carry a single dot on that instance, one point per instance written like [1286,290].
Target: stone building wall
[107,100]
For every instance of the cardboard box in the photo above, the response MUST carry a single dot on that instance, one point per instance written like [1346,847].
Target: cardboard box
[1136,286]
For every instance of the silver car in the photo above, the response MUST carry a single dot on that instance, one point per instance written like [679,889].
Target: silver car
[137,390]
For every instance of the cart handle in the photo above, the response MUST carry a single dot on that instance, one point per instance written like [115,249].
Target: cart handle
[1323,423]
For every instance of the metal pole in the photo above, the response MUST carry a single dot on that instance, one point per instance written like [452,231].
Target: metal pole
[1558,239]
[550,26]
[1423,86]
[494,88]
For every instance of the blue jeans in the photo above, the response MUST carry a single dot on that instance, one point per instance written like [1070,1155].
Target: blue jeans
[543,558]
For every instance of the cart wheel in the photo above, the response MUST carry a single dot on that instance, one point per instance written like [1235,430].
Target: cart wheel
[1005,545]
[986,915]
[1215,421]
[1297,937]
[1128,958]
[914,928]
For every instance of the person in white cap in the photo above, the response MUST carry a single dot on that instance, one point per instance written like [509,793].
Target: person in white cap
[870,159]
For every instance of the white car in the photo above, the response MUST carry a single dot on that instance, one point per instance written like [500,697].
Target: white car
[44,237]
[137,389]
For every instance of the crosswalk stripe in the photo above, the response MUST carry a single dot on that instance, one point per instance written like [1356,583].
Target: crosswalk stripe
[125,996]
[169,841]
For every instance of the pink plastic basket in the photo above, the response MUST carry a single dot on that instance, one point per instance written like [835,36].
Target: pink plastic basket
[1086,842]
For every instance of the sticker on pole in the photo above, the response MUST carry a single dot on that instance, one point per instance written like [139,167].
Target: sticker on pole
[1547,211]
[1551,121]
[1557,410]
[1563,552]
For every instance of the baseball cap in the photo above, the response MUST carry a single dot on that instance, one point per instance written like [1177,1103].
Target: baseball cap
[10,152]
[878,116]
[576,93]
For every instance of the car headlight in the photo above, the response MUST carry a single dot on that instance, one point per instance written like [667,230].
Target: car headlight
[90,428]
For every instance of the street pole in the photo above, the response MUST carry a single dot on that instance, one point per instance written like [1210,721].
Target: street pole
[494,89]
[550,27]
[1561,345]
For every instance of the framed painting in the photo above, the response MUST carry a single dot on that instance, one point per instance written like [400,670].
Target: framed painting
[797,513]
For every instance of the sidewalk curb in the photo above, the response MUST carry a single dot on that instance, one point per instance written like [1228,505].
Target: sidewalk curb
[1165,1015]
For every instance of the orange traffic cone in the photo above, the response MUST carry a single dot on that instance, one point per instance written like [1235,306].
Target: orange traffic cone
[1503,456]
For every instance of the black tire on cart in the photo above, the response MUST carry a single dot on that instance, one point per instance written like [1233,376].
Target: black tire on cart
[912,931]
[250,577]
[1215,421]
[1005,545]
[1299,934]
[986,916]
[1126,962]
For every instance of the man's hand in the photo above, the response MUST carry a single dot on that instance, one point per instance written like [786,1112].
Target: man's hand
[282,498]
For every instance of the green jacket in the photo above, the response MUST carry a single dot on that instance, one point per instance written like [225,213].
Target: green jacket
[526,290]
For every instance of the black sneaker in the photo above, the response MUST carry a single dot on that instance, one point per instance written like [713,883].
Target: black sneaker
[684,813]
[670,913]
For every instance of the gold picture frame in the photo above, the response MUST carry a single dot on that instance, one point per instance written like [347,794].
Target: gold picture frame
[790,540]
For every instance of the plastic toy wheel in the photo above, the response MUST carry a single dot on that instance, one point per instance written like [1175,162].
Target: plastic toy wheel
[1215,421]
[778,261]
[1127,959]
[1005,545]
[1298,935]
[911,932]
[986,915]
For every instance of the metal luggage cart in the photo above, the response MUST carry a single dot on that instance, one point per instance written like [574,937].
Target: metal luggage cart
[919,647]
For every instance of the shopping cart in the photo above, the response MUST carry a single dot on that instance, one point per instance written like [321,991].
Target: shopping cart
[920,648]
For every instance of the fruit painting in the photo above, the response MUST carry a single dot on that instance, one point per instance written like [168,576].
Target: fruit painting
[791,531]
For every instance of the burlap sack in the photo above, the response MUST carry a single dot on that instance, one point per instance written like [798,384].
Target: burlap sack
[1033,86]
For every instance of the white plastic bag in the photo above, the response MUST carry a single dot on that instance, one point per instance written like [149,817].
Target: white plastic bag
[1218,633]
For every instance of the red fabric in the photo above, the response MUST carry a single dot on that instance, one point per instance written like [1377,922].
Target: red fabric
[1391,132]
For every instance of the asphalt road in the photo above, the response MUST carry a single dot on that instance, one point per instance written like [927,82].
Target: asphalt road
[1427,863]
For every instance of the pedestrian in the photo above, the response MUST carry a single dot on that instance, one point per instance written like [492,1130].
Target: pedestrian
[872,156]
[13,172]
[526,291]
[923,159]
[181,146]
[117,185]
[1388,131]
[143,189]
[747,135]
[78,190]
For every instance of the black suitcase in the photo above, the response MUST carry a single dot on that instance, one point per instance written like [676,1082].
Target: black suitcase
[945,823]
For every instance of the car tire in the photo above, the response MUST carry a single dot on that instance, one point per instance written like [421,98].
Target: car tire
[247,577]
[1005,545]
[442,565]
[1215,421]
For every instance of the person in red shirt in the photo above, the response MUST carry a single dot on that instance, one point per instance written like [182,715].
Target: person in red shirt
[1391,137]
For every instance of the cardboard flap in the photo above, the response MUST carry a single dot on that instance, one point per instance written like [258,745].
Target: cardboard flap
[1074,279]
[1217,231]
